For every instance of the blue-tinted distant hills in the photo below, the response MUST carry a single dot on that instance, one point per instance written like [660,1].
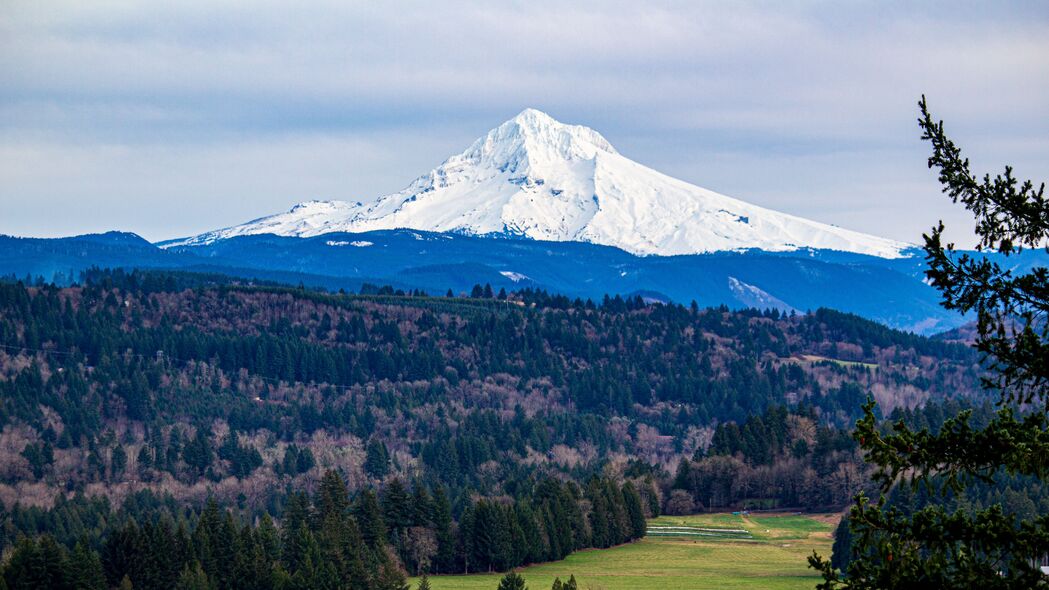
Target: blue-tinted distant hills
[61,258]
[890,291]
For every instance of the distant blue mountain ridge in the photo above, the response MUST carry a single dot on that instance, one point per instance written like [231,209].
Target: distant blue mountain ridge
[890,291]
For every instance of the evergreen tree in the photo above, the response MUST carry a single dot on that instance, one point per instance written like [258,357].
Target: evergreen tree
[488,537]
[41,564]
[599,517]
[332,497]
[840,552]
[86,568]
[298,544]
[466,545]
[369,519]
[555,548]
[512,581]
[219,561]
[155,564]
[304,460]
[397,507]
[198,453]
[683,477]
[444,560]
[294,532]
[422,506]
[531,544]
[618,528]
[193,578]
[516,552]
[377,459]
[145,460]
[968,548]
[119,552]
[245,571]
[635,514]
[268,538]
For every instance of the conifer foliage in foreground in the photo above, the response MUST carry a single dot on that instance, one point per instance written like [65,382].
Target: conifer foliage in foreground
[967,548]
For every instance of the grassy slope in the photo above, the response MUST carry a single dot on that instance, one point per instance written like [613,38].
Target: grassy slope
[774,559]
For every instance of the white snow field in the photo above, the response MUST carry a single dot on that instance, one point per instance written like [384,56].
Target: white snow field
[538,178]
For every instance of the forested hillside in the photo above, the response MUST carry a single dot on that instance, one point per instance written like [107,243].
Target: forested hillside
[553,424]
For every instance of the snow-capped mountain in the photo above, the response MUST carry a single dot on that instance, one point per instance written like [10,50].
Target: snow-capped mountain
[538,178]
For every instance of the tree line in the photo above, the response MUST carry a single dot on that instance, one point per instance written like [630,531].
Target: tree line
[329,539]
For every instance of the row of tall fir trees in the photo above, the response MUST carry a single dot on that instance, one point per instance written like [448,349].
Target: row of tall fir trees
[330,540]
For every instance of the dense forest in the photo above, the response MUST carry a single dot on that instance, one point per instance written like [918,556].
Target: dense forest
[324,541]
[150,412]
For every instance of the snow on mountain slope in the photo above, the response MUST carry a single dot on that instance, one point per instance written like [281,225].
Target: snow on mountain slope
[538,178]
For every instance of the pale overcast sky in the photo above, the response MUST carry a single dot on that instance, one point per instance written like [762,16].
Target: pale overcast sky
[169,119]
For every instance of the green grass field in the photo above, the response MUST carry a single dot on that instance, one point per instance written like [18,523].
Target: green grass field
[773,558]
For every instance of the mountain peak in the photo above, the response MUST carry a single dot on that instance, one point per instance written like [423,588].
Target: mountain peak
[535,177]
[534,116]
[532,130]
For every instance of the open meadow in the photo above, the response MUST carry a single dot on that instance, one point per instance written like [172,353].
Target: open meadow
[696,552]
